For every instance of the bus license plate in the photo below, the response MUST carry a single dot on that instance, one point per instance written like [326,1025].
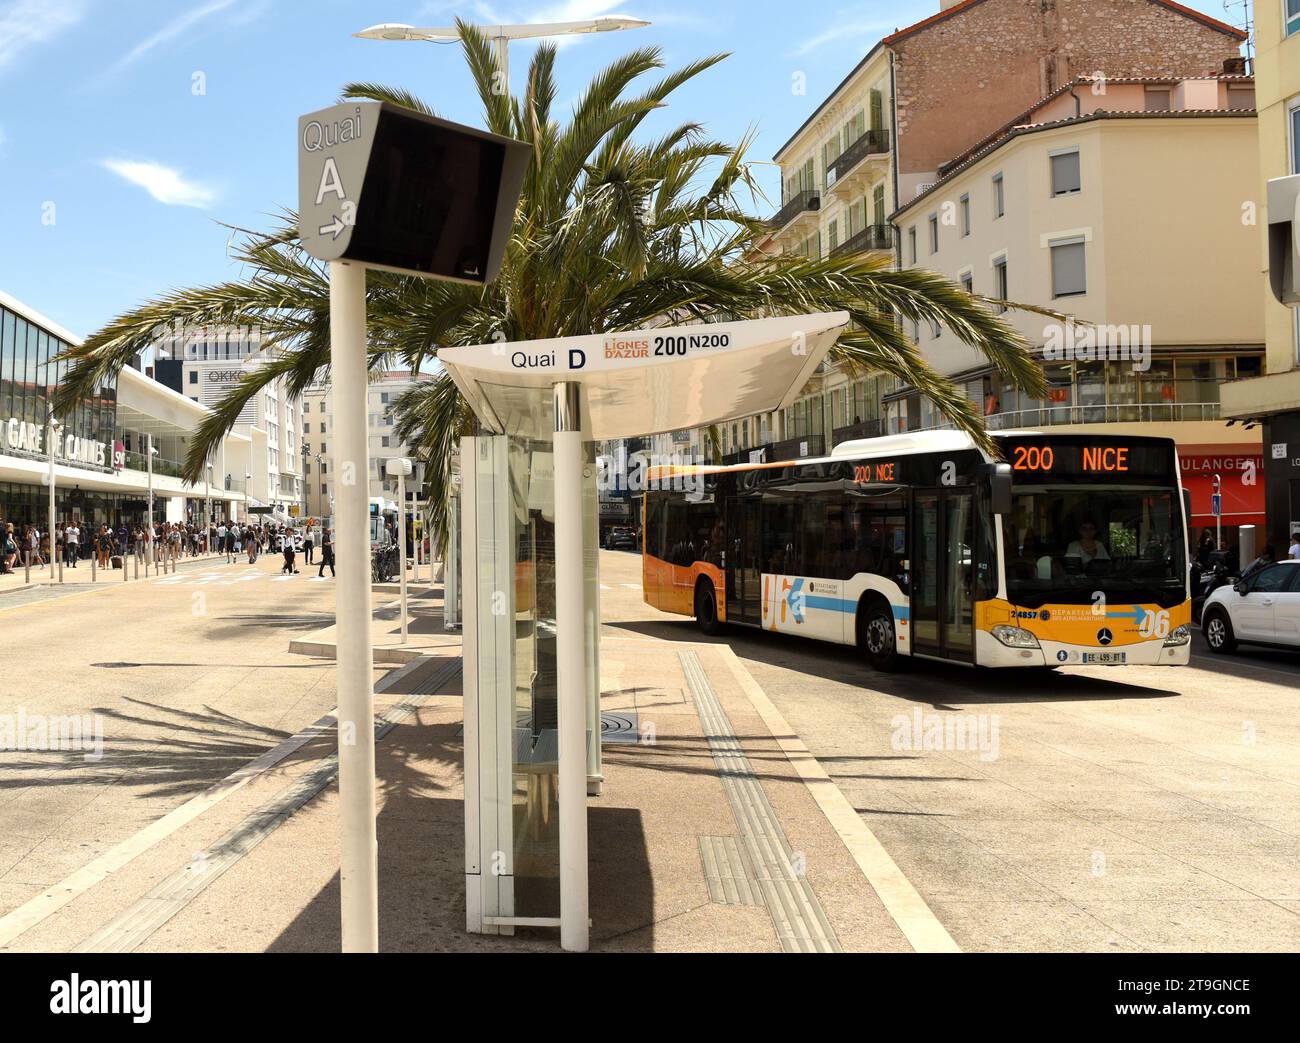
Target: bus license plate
[1105,658]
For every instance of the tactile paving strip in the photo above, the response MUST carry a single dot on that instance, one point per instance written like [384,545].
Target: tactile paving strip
[800,921]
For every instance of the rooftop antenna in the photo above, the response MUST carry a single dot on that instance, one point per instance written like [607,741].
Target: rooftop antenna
[1241,14]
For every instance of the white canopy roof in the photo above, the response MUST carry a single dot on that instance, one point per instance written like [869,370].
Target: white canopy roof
[646,381]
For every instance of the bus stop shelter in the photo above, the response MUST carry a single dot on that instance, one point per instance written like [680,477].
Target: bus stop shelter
[529,586]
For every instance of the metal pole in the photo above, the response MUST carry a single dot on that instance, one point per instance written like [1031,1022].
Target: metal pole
[503,62]
[149,460]
[1218,515]
[401,547]
[359,875]
[53,433]
[27,567]
[571,667]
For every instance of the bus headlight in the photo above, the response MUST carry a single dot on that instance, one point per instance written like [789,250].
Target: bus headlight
[1015,637]
[1178,636]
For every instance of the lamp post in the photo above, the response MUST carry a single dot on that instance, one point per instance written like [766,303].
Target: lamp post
[500,35]
[400,467]
[149,454]
[54,429]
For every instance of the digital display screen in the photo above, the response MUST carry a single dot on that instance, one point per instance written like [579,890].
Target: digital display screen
[1090,459]
[429,200]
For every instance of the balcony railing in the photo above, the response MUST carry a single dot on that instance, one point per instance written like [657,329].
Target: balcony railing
[862,429]
[801,203]
[1112,413]
[873,237]
[137,462]
[872,143]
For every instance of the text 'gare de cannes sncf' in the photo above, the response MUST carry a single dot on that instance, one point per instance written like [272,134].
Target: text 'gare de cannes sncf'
[100,445]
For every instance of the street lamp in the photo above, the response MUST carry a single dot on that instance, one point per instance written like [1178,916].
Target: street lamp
[55,429]
[500,35]
[400,467]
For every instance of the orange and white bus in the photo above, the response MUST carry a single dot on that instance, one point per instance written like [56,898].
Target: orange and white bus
[1070,550]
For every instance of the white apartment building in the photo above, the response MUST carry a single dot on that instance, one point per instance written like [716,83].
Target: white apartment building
[205,365]
[317,436]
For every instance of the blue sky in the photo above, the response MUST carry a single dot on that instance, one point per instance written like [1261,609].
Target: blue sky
[115,172]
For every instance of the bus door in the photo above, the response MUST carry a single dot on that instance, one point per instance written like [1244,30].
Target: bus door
[942,616]
[744,578]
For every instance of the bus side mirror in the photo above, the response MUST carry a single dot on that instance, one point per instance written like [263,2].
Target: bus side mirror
[1000,488]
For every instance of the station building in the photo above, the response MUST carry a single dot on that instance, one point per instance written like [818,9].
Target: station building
[101,471]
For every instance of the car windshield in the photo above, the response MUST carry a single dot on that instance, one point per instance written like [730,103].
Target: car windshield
[1068,543]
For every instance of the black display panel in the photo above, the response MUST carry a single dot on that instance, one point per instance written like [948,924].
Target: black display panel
[429,202]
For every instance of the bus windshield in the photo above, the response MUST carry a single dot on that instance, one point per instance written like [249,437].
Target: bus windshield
[1066,543]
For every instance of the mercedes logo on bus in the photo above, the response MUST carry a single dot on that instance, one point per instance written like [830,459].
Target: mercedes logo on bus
[1104,636]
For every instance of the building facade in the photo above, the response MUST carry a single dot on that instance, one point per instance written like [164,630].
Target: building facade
[1272,401]
[317,436]
[921,97]
[102,448]
[1084,206]
[205,365]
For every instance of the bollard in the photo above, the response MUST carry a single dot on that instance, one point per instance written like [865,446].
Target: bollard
[137,561]
[59,555]
[27,567]
[125,577]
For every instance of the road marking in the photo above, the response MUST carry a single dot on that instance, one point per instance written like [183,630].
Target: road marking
[38,908]
[904,903]
[131,928]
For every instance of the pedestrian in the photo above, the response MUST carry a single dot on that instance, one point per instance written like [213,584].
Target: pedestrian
[326,553]
[34,546]
[72,542]
[1293,552]
[287,543]
[250,544]
[307,546]
[9,550]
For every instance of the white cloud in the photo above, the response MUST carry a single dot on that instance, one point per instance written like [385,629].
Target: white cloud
[849,31]
[171,30]
[163,183]
[26,23]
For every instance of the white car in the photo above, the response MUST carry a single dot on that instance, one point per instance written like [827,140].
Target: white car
[1263,609]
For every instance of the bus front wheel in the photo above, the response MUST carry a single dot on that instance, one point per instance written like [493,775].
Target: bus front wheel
[706,609]
[877,640]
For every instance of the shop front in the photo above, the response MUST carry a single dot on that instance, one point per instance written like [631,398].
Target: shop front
[1238,473]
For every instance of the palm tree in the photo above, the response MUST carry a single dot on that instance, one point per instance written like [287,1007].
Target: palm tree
[613,231]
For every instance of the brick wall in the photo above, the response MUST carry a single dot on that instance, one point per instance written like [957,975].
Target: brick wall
[962,78]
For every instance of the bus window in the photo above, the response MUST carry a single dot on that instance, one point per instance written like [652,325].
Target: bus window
[780,542]
[693,532]
[828,540]
[879,526]
[653,537]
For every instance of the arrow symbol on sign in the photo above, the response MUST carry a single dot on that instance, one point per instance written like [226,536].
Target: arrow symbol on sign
[336,226]
[1136,613]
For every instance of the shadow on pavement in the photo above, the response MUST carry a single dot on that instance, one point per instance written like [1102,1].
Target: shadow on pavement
[192,751]
[934,684]
[422,871]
